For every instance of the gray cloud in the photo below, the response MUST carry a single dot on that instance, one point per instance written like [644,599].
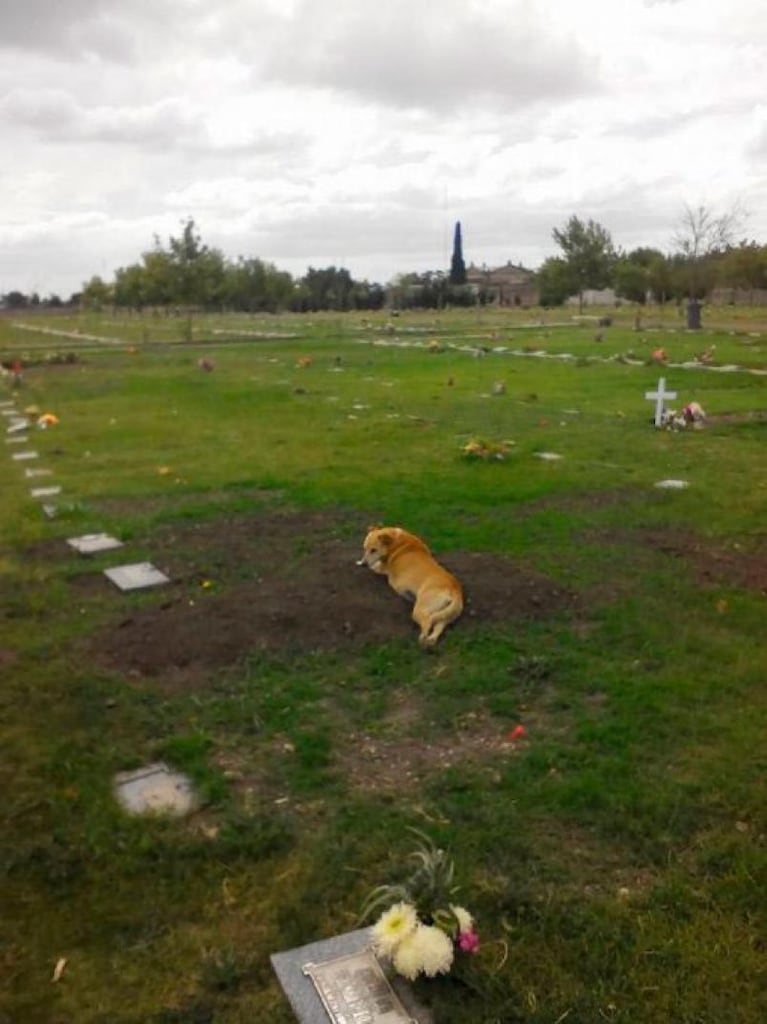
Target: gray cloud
[459,56]
[66,30]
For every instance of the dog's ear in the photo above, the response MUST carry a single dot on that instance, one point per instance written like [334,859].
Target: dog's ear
[375,526]
[386,538]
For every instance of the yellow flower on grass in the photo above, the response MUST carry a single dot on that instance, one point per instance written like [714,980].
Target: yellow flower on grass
[425,950]
[392,927]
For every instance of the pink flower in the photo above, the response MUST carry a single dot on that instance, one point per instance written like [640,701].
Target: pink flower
[468,942]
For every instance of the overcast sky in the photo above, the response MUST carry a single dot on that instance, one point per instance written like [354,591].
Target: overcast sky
[356,132]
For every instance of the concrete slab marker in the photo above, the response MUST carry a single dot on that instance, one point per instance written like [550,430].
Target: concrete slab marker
[22,456]
[17,440]
[31,473]
[155,789]
[136,576]
[90,543]
[672,485]
[45,492]
[548,456]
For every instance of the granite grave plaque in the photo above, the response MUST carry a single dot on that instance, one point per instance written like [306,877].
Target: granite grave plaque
[340,981]
[22,456]
[45,492]
[31,473]
[136,576]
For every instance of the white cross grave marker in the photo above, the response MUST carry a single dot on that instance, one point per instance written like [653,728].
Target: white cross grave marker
[658,397]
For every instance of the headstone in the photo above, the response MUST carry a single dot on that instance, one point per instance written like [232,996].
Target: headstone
[339,980]
[22,456]
[90,543]
[672,485]
[155,789]
[44,492]
[659,396]
[136,576]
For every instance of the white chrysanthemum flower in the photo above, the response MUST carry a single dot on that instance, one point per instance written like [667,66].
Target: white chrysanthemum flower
[427,950]
[394,925]
[464,918]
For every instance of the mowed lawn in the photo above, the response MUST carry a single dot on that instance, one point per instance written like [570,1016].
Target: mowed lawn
[614,855]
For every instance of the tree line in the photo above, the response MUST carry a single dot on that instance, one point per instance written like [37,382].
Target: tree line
[706,256]
[187,274]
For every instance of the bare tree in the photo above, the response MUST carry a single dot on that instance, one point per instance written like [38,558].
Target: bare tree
[701,235]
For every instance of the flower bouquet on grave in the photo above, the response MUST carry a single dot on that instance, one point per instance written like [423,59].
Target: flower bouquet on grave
[484,450]
[420,930]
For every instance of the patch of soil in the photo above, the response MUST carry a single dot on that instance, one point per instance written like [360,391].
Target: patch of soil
[395,763]
[735,566]
[288,582]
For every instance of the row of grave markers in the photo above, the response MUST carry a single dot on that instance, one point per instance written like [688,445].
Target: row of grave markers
[316,978]
[155,787]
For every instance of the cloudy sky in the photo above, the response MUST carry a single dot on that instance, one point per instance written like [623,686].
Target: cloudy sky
[356,132]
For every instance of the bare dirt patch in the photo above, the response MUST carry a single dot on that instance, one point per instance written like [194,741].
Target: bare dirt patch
[735,564]
[287,582]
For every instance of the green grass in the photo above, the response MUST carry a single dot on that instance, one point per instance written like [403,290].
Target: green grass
[616,861]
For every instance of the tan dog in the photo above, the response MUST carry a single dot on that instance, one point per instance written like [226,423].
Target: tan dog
[414,574]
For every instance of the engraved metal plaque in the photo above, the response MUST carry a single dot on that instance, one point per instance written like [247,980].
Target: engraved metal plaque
[354,990]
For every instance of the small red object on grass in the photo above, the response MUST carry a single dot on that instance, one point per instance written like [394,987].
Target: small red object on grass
[517,733]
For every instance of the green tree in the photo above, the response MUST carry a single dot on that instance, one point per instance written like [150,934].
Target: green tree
[457,265]
[197,271]
[96,294]
[588,252]
[633,273]
[556,281]
[744,266]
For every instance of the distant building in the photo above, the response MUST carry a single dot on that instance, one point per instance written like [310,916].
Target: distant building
[597,297]
[509,285]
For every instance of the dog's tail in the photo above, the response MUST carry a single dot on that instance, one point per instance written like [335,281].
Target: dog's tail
[441,617]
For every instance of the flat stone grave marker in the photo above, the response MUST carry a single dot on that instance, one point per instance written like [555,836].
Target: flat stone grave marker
[31,473]
[6,404]
[10,412]
[548,456]
[672,485]
[21,456]
[659,396]
[136,576]
[50,511]
[17,440]
[90,543]
[155,789]
[45,492]
[339,980]
[17,426]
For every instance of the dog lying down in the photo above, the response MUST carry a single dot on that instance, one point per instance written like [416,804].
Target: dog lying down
[414,574]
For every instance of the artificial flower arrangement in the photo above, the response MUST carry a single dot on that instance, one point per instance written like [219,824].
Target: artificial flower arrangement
[421,930]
